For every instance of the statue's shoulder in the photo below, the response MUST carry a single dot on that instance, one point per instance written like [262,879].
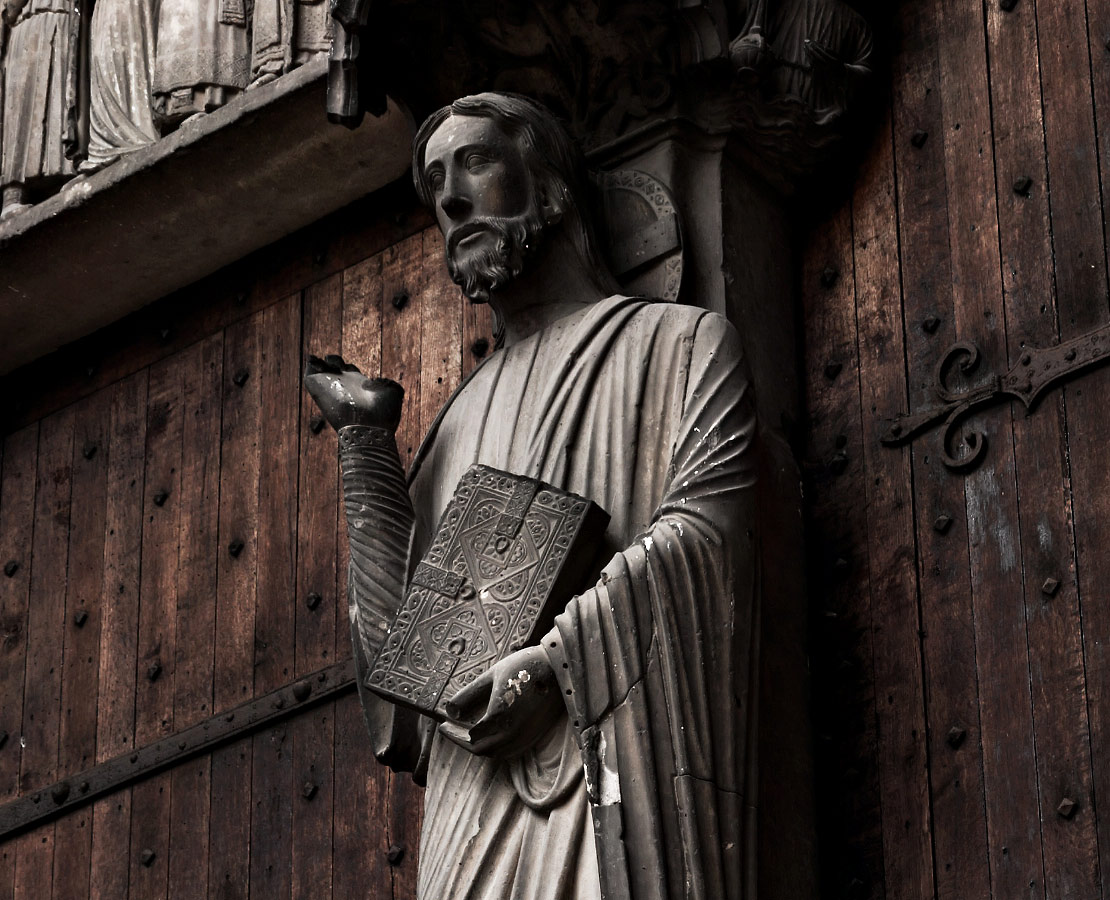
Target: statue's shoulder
[687,322]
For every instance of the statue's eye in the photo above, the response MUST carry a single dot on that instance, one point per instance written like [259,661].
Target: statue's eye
[435,180]
[476,161]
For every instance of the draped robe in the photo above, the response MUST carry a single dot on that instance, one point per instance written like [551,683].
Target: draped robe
[645,409]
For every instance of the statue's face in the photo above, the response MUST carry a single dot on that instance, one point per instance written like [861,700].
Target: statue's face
[485,202]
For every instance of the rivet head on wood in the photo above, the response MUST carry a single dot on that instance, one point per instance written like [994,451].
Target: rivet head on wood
[301,691]
[942,524]
[829,276]
[832,370]
[1007,5]
[279,702]
[161,497]
[89,450]
[956,737]
[1050,587]
[165,333]
[83,787]
[838,463]
[134,757]
[395,854]
[480,347]
[918,138]
[11,567]
[400,299]
[147,857]
[154,671]
[840,567]
[841,441]
[1023,185]
[90,370]
[1067,808]
[60,793]
[308,790]
[316,424]
[240,377]
[3,739]
[234,549]
[319,255]
[312,600]
[930,325]
[80,618]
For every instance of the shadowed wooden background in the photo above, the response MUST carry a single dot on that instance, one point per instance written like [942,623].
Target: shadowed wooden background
[193,433]
[958,702]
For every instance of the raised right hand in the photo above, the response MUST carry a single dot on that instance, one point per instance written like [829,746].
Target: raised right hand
[347,397]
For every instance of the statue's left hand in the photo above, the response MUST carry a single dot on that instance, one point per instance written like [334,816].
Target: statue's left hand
[508,708]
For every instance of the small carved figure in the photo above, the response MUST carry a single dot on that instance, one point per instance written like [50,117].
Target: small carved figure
[287,34]
[815,50]
[203,57]
[609,759]
[121,55]
[41,118]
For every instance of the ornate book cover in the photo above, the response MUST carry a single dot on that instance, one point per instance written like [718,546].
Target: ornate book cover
[508,555]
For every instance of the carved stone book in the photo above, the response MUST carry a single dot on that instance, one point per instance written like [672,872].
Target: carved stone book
[508,555]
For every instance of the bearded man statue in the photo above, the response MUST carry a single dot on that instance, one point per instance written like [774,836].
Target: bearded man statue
[611,758]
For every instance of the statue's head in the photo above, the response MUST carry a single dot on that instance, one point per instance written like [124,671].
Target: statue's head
[500,172]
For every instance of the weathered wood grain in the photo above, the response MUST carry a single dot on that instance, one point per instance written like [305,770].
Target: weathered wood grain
[229,829]
[360,832]
[843,686]
[1068,663]
[272,769]
[908,824]
[115,721]
[150,809]
[213,303]
[198,511]
[46,626]
[17,504]
[944,582]
[77,744]
[403,353]
[313,735]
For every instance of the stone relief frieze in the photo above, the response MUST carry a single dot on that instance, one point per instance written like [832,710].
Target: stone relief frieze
[86,83]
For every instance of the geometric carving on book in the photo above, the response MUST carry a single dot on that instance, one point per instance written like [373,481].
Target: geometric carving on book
[508,554]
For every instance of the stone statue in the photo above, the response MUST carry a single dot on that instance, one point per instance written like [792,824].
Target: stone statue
[203,57]
[121,54]
[41,118]
[818,51]
[610,759]
[287,34]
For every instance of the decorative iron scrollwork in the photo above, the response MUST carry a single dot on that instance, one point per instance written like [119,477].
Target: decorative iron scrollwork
[1036,371]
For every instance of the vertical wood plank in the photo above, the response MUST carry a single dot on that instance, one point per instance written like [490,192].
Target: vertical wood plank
[275,572]
[895,615]
[229,830]
[115,721]
[77,747]
[402,355]
[995,535]
[1016,807]
[944,561]
[360,823]
[150,810]
[441,324]
[193,668]
[1066,767]
[45,622]
[843,680]
[313,732]
[17,508]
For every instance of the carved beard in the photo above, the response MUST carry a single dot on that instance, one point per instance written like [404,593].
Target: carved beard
[487,268]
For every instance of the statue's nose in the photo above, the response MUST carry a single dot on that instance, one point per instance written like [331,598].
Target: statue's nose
[454,204]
